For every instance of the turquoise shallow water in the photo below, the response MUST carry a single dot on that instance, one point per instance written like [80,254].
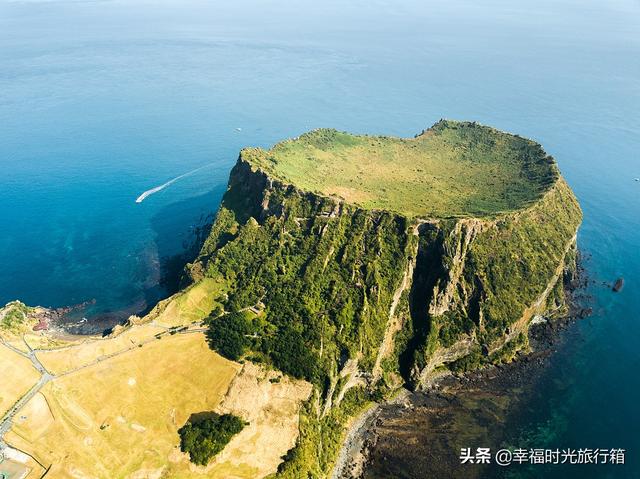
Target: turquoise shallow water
[100,101]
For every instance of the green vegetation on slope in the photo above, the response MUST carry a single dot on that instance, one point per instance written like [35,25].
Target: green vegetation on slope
[452,169]
[321,438]
[15,317]
[327,284]
[500,275]
[206,437]
[229,334]
[329,276]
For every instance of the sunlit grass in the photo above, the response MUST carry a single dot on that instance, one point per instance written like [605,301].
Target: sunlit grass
[452,169]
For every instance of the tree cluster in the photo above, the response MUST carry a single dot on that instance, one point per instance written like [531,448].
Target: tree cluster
[205,438]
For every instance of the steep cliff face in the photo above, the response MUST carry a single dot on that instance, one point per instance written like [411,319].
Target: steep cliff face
[488,278]
[360,299]
[327,272]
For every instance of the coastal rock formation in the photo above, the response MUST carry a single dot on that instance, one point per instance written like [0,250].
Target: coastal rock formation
[382,262]
[17,318]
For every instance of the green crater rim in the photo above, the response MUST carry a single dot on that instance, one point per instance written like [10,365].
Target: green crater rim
[453,169]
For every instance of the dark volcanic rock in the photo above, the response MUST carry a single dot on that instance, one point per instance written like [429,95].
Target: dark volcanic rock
[618,285]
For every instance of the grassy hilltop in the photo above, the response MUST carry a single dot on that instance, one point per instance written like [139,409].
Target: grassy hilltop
[452,169]
[365,263]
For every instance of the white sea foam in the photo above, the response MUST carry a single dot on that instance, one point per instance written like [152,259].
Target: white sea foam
[148,193]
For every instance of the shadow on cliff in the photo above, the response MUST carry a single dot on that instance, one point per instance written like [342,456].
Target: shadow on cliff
[180,230]
[427,271]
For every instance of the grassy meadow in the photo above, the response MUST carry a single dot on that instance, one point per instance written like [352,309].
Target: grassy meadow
[453,169]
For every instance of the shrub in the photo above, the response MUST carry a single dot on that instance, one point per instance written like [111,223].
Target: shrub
[207,437]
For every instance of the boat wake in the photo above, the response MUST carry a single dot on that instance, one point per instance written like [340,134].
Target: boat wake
[150,192]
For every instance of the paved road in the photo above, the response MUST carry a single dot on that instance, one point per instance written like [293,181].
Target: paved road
[7,420]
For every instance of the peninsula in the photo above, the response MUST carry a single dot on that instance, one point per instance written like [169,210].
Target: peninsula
[340,269]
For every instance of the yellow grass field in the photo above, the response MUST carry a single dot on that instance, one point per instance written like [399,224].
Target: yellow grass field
[118,418]
[272,411]
[191,305]
[59,361]
[121,416]
[17,376]
[45,340]
[18,343]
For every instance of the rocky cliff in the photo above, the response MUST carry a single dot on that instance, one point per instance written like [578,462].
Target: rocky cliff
[379,262]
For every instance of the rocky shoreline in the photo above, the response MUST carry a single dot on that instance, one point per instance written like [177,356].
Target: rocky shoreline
[471,406]
[426,429]
[66,323]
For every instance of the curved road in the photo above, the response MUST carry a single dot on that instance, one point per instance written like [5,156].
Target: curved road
[7,420]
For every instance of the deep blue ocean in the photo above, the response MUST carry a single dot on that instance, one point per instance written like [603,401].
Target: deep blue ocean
[102,100]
